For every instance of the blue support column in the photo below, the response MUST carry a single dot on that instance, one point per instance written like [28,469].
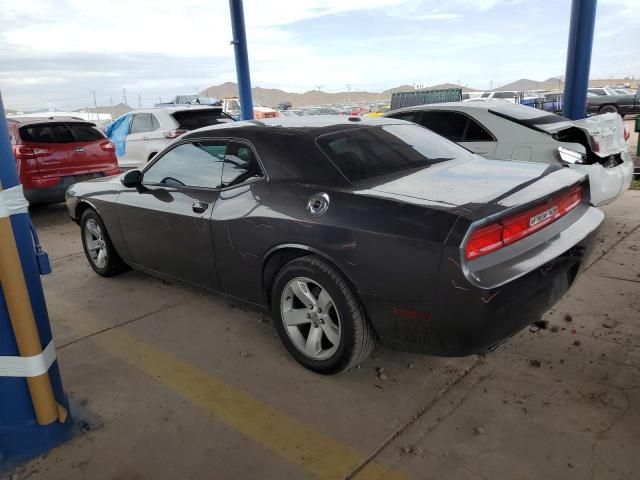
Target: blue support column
[21,436]
[242,58]
[583,19]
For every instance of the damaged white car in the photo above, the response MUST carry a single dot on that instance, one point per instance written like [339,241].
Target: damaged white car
[596,145]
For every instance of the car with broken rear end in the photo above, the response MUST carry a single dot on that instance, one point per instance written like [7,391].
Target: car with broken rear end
[349,231]
[597,146]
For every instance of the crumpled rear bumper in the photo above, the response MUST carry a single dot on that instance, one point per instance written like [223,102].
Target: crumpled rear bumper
[607,184]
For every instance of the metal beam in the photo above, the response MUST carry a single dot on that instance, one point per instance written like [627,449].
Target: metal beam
[242,58]
[576,82]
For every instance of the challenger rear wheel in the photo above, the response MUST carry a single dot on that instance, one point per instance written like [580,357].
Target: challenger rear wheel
[97,245]
[319,318]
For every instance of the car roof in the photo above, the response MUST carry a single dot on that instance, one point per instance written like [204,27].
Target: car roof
[34,120]
[178,108]
[315,124]
[459,106]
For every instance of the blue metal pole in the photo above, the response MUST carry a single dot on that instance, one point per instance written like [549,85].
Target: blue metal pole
[21,436]
[242,58]
[583,19]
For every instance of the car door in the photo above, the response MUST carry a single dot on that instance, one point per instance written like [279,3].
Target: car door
[166,221]
[136,154]
[239,237]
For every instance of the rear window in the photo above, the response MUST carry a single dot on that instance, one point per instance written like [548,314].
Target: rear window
[193,119]
[369,152]
[59,133]
[84,133]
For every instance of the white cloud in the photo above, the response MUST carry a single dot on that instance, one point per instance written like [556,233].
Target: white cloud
[55,49]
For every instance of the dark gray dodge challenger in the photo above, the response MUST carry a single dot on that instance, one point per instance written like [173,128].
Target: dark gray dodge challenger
[348,230]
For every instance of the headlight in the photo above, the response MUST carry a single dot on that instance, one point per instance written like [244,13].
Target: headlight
[569,156]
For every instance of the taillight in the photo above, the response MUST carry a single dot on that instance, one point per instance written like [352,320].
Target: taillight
[174,133]
[23,152]
[108,146]
[626,134]
[516,227]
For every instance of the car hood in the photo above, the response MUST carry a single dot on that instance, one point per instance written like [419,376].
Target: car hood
[605,130]
[476,187]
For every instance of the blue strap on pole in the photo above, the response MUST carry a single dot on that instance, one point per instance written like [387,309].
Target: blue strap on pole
[20,435]
[242,58]
[576,83]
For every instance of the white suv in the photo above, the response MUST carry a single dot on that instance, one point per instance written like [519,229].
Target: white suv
[140,134]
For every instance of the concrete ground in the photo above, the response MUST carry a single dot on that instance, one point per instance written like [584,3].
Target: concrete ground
[189,387]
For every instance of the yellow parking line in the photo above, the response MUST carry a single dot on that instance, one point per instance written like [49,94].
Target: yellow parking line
[298,443]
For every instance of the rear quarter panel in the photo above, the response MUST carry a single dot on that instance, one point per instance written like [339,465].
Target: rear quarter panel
[384,248]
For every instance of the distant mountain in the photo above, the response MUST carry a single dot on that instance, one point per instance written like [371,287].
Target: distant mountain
[270,97]
[115,111]
[525,84]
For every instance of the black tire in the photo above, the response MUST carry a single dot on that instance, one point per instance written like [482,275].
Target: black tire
[608,109]
[357,337]
[114,264]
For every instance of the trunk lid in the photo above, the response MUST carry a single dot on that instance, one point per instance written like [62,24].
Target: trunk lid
[476,187]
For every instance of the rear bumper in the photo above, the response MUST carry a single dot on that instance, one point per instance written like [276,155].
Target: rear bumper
[56,193]
[607,184]
[466,319]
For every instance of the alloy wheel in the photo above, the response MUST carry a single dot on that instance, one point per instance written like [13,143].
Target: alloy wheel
[96,246]
[310,318]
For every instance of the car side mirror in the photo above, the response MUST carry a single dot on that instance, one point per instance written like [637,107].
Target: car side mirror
[132,179]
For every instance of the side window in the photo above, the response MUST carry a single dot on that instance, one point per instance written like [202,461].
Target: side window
[197,164]
[477,133]
[450,125]
[141,123]
[155,124]
[409,116]
[240,164]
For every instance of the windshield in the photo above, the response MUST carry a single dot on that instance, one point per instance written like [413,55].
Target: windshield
[369,152]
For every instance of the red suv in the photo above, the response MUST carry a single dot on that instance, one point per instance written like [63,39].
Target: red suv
[54,153]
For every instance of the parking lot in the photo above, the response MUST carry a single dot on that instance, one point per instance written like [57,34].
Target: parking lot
[177,384]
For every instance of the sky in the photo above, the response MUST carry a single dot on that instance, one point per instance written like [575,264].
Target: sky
[53,53]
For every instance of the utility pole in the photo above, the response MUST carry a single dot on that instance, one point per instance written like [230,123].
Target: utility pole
[124,96]
[34,411]
[319,87]
[95,104]
[159,99]
[139,101]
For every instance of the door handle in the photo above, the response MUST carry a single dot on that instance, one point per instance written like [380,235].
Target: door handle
[145,138]
[199,207]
